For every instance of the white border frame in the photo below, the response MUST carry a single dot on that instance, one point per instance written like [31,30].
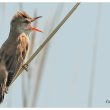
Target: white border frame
[55,1]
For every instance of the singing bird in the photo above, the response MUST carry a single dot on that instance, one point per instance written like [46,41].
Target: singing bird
[14,49]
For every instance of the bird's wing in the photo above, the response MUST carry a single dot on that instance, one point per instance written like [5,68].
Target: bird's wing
[10,63]
[14,54]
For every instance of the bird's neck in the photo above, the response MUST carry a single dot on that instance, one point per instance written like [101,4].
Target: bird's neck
[14,33]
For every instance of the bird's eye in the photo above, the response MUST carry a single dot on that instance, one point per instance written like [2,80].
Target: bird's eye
[26,21]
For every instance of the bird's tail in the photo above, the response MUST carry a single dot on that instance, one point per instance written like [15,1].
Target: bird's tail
[3,80]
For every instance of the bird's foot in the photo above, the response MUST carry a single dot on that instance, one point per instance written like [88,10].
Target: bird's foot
[25,66]
[6,90]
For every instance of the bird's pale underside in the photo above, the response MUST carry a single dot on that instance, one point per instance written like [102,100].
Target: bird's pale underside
[14,49]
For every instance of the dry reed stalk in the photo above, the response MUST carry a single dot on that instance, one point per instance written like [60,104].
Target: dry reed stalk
[24,93]
[48,39]
[23,84]
[3,8]
[48,28]
[32,44]
[26,79]
[20,6]
[95,48]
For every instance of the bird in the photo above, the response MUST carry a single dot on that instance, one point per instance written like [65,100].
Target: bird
[14,50]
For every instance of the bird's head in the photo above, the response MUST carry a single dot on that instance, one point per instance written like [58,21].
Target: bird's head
[21,22]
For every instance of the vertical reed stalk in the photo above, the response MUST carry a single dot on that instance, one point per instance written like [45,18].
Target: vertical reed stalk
[24,93]
[94,59]
[47,40]
[48,29]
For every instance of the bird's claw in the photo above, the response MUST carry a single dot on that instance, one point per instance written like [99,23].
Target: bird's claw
[6,90]
[25,66]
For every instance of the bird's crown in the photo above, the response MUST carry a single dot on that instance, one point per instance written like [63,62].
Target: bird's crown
[21,14]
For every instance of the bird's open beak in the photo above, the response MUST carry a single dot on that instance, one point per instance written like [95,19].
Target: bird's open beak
[33,19]
[33,28]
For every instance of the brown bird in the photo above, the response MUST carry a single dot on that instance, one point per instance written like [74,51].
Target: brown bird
[14,49]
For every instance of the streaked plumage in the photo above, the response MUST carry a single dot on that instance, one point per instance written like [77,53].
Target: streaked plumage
[13,52]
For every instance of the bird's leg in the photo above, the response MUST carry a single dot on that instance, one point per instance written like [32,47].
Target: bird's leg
[25,66]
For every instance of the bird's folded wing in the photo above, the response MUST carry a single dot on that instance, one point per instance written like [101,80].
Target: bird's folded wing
[12,65]
[13,54]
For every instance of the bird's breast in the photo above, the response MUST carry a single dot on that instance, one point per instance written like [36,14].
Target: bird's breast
[22,45]
[23,41]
